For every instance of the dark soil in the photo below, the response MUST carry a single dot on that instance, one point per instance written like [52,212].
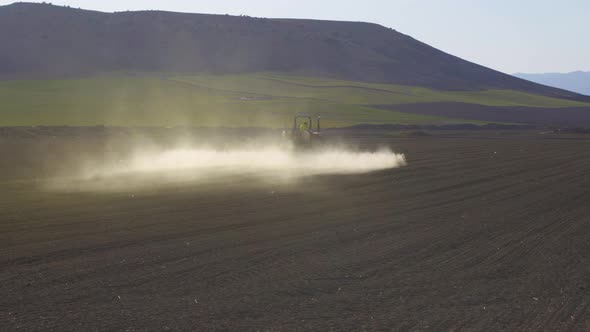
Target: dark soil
[480,231]
[568,116]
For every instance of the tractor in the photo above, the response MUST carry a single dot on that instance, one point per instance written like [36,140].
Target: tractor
[302,134]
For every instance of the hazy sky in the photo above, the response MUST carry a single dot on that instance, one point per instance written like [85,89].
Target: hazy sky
[507,35]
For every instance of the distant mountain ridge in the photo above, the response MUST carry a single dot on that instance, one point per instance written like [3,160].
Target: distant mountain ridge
[42,40]
[576,81]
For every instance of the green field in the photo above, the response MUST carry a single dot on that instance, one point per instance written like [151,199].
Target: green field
[261,100]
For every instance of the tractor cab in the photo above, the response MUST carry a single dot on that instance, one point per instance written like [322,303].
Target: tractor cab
[303,134]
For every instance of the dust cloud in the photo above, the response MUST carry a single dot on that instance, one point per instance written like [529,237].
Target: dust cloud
[190,164]
[270,159]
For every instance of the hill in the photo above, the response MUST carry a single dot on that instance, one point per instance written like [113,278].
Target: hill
[65,66]
[577,81]
[42,40]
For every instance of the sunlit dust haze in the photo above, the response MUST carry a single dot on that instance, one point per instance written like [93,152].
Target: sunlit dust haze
[271,160]
[191,165]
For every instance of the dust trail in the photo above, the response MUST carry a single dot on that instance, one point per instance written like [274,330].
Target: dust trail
[198,164]
[272,160]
